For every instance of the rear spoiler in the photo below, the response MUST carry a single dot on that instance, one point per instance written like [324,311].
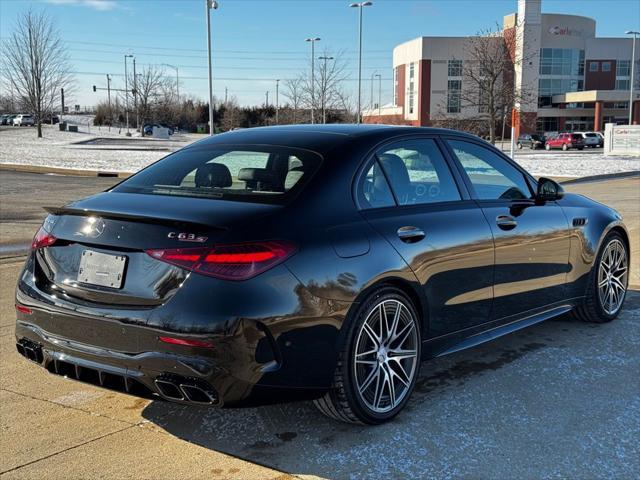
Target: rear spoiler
[84,212]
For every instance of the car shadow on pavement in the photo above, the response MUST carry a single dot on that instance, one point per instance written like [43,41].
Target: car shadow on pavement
[523,405]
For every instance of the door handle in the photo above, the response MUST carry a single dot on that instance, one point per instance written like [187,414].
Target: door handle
[410,234]
[506,222]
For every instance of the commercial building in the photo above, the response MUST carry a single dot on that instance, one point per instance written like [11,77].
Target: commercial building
[573,79]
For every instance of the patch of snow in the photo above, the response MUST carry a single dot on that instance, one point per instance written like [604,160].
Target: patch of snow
[63,150]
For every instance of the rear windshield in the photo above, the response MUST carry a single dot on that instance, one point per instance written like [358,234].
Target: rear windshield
[263,174]
[590,135]
[577,136]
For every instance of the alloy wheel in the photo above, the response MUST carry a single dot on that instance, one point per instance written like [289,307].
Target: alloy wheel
[612,277]
[386,356]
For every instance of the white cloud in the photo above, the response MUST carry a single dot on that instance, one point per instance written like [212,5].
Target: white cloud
[102,5]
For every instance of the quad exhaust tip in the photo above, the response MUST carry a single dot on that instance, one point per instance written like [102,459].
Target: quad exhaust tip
[181,389]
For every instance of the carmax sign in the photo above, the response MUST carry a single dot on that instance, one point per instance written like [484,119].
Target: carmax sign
[565,31]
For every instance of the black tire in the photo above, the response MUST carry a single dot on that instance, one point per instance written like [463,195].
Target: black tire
[547,147]
[580,148]
[564,147]
[342,402]
[591,309]
[519,146]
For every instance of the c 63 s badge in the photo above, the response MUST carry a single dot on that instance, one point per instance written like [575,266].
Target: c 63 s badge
[187,237]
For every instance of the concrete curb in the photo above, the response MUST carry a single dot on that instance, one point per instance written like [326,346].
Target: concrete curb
[12,167]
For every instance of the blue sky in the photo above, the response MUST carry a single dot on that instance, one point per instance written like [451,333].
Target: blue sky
[257,41]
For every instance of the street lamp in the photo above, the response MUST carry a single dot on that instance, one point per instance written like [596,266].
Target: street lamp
[126,92]
[210,5]
[635,33]
[177,80]
[360,6]
[313,74]
[379,94]
[324,87]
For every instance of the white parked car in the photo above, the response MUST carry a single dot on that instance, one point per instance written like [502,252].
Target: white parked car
[23,120]
[591,139]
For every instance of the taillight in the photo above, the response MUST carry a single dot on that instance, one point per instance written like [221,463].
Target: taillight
[186,343]
[42,239]
[229,262]
[23,309]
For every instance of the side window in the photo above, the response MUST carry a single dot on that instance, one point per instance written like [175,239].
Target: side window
[373,190]
[492,177]
[417,172]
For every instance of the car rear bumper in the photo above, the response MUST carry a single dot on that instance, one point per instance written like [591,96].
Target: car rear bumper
[256,352]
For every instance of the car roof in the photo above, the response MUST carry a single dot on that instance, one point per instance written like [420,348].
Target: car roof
[319,137]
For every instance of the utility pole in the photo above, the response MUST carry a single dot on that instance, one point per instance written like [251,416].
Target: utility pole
[379,94]
[371,98]
[313,41]
[135,93]
[266,104]
[126,93]
[277,100]
[109,97]
[226,91]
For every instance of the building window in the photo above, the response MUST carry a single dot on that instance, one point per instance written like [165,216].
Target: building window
[561,61]
[623,68]
[455,68]
[593,66]
[412,74]
[606,66]
[453,96]
[622,84]
[395,85]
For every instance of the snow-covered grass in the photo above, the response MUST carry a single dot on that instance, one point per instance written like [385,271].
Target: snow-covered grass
[62,150]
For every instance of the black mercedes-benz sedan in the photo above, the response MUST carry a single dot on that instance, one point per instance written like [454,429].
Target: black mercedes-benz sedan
[319,262]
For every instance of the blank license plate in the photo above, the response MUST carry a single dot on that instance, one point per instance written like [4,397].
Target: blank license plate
[101,269]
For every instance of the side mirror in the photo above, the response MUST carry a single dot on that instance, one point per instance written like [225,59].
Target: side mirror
[548,190]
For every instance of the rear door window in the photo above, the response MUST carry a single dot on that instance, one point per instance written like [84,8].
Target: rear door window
[417,172]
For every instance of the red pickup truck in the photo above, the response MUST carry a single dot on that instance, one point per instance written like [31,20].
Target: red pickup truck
[565,141]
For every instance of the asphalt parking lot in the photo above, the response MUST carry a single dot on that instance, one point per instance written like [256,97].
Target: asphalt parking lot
[559,399]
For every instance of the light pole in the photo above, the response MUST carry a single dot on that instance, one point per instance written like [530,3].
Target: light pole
[177,80]
[635,33]
[360,6]
[126,93]
[210,4]
[313,73]
[324,87]
[277,100]
[379,94]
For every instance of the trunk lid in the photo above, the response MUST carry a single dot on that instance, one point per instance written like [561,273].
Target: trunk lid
[100,256]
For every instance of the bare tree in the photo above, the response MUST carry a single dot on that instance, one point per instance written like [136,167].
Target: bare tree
[329,78]
[294,92]
[487,71]
[36,64]
[151,85]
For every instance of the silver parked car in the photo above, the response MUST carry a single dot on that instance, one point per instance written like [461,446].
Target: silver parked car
[23,120]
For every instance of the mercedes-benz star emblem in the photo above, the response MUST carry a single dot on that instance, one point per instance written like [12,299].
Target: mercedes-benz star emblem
[94,227]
